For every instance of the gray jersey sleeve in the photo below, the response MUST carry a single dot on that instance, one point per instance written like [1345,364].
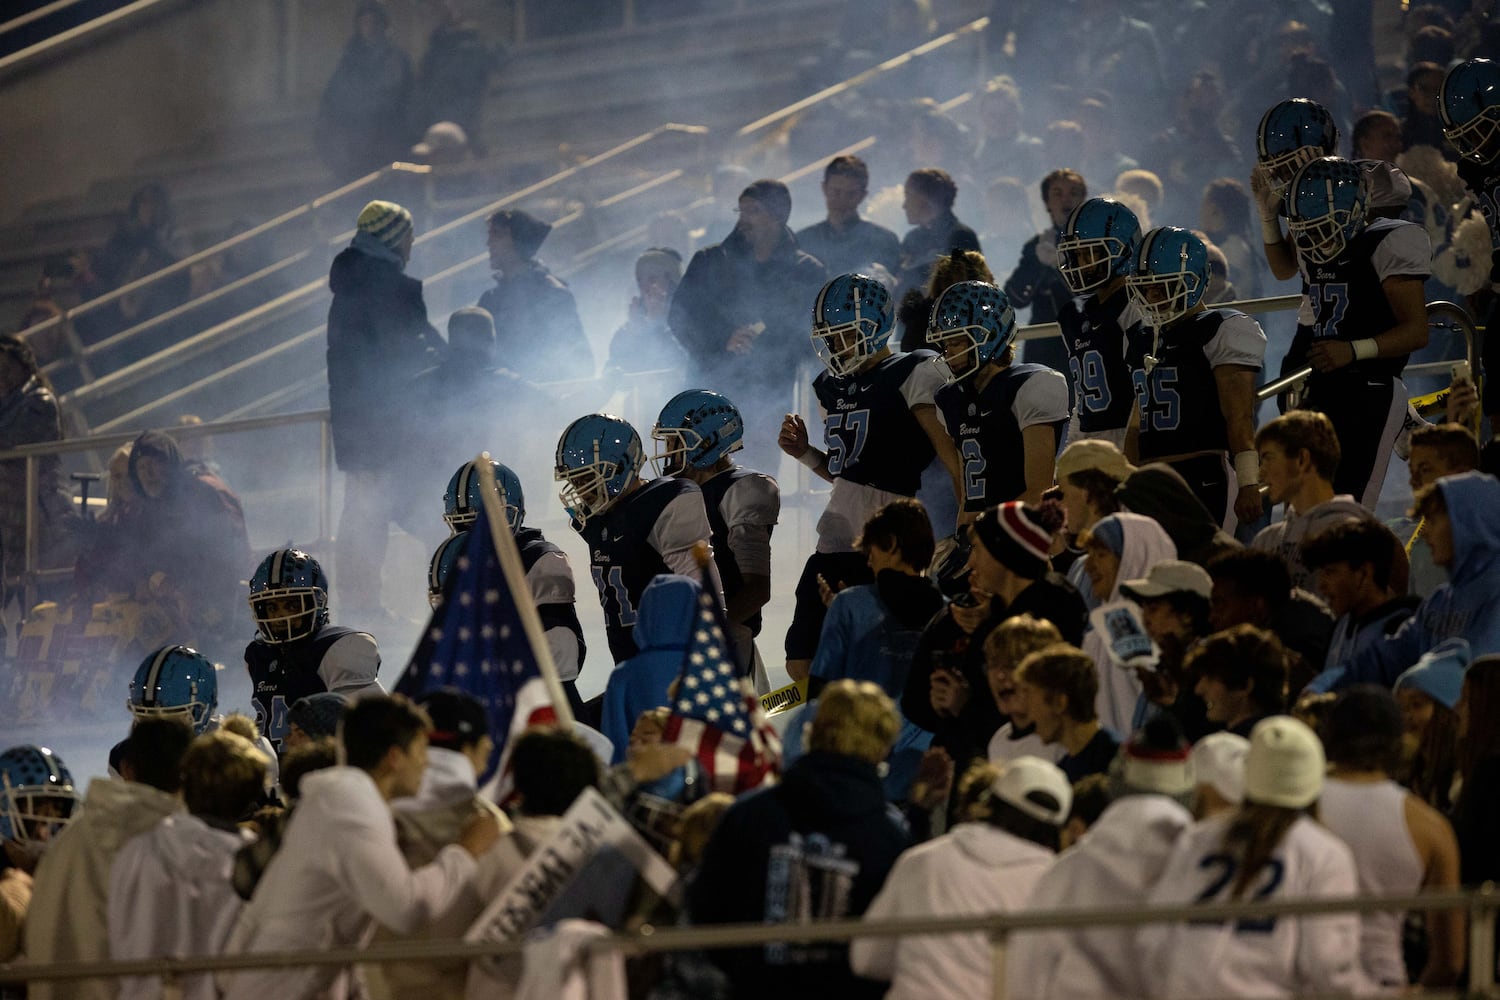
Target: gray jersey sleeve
[1043,399]
[750,509]
[551,581]
[1239,341]
[922,384]
[1405,253]
[351,665]
[681,525]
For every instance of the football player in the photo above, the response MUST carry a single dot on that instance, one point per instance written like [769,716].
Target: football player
[1005,419]
[695,434]
[1469,106]
[1365,284]
[176,681]
[297,651]
[881,427]
[1194,372]
[549,574]
[1095,251]
[635,529]
[1291,133]
[37,798]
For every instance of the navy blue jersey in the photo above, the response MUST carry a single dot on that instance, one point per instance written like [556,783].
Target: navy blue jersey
[1178,398]
[533,545]
[1095,337]
[1483,182]
[281,673]
[623,559]
[986,428]
[1348,300]
[871,435]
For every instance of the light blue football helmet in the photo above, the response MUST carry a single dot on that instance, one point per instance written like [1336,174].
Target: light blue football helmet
[1098,243]
[598,457]
[175,681]
[1325,207]
[852,321]
[443,561]
[1292,132]
[37,796]
[696,428]
[1170,274]
[1469,106]
[461,501]
[971,323]
[288,573]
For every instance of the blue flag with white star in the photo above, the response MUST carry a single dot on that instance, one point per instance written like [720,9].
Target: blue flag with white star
[475,642]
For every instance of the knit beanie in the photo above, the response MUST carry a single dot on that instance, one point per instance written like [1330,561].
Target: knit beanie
[1439,674]
[471,322]
[773,196]
[1019,536]
[387,222]
[1219,761]
[1156,760]
[1285,764]
[527,232]
[458,719]
[317,715]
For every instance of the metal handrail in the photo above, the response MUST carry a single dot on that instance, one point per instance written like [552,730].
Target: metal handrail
[1481,904]
[63,37]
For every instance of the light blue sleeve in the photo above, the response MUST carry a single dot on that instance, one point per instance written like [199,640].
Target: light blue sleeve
[613,718]
[830,661]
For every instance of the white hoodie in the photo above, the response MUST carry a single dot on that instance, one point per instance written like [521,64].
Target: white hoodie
[975,869]
[1116,863]
[170,896]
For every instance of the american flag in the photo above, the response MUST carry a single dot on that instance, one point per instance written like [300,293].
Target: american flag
[716,714]
[476,642]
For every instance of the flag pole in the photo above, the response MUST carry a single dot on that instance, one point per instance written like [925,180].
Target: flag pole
[515,577]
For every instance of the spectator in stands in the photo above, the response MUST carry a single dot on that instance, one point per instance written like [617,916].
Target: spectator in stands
[181,546]
[28,415]
[537,331]
[1194,149]
[1004,147]
[170,894]
[929,196]
[454,74]
[1220,283]
[1241,675]
[1353,563]
[1005,647]
[818,845]
[1420,126]
[1253,587]
[144,241]
[1401,845]
[741,313]
[1036,281]
[1007,214]
[364,113]
[67,921]
[1060,686]
[914,311]
[1160,492]
[1146,186]
[378,338]
[984,866]
[1428,694]
[844,242]
[340,869]
[1219,771]
[1225,218]
[1377,136]
[644,342]
[1442,450]
[1174,601]
[1088,473]
[1476,814]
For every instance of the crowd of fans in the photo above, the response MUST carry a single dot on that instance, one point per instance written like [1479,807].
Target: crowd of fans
[1051,648]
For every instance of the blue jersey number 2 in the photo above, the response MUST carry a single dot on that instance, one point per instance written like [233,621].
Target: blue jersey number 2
[974,463]
[842,453]
[1228,867]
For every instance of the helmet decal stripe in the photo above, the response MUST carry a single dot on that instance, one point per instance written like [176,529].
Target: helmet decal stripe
[153,679]
[274,577]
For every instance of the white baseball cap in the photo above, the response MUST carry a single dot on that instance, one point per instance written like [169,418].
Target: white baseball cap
[1027,783]
[1285,764]
[1170,576]
[1219,761]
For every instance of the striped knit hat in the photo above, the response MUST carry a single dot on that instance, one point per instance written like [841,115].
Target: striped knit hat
[386,221]
[1019,536]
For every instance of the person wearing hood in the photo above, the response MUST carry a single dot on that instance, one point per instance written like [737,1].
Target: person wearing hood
[183,544]
[981,867]
[1119,547]
[1116,863]
[363,114]
[538,334]
[818,845]
[740,312]
[1461,530]
[1353,565]
[68,917]
[28,415]
[1088,474]
[1158,491]
[170,891]
[378,338]
[1299,454]
[662,634]
[458,751]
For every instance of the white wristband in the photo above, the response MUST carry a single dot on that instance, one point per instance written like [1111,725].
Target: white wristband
[811,458]
[1270,231]
[1365,349]
[1246,468]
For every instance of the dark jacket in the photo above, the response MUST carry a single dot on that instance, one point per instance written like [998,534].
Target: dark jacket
[1159,492]
[818,845]
[923,245]
[378,338]
[538,334]
[363,114]
[30,416]
[725,287]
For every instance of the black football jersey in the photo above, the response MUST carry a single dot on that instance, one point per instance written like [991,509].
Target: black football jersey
[1095,337]
[1178,398]
[871,436]
[280,674]
[986,429]
[533,545]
